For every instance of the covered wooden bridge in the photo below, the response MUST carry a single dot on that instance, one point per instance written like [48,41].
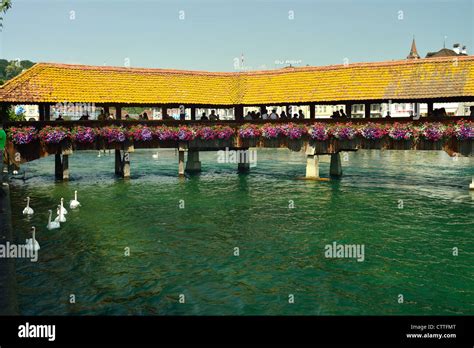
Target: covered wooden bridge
[429,81]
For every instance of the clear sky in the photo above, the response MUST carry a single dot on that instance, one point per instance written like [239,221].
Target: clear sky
[210,34]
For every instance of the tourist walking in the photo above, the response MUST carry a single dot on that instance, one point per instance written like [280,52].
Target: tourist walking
[300,115]
[342,113]
[283,115]
[204,117]
[273,115]
[248,116]
[213,116]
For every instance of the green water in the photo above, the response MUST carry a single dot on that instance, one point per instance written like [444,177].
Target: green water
[190,250]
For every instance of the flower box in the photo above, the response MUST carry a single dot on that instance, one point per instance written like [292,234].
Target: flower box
[295,144]
[401,144]
[424,144]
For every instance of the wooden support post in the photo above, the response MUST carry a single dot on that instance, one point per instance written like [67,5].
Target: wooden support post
[243,165]
[164,112]
[4,107]
[193,114]
[335,168]
[193,165]
[106,110]
[126,165]
[118,162]
[430,109]
[181,162]
[65,167]
[118,112]
[367,110]
[312,111]
[58,166]
[41,110]
[239,112]
[349,110]
[47,112]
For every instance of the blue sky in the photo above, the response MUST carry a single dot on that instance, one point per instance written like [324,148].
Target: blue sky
[150,33]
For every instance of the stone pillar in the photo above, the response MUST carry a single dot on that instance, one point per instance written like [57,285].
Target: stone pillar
[193,114]
[312,167]
[367,110]
[335,168]
[181,162]
[118,162]
[312,111]
[193,164]
[126,164]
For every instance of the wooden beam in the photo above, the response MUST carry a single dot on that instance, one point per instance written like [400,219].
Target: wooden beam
[42,115]
[430,109]
[367,110]
[349,110]
[4,107]
[193,113]
[312,111]
[239,112]
[118,112]
[164,111]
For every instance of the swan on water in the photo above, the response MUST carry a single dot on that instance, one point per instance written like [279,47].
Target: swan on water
[61,208]
[155,155]
[31,243]
[60,217]
[74,203]
[52,224]
[28,210]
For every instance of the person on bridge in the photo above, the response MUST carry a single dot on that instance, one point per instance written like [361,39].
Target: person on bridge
[471,108]
[273,115]
[342,113]
[60,118]
[3,142]
[264,114]
[388,115]
[300,115]
[283,115]
[213,116]
[248,116]
[204,117]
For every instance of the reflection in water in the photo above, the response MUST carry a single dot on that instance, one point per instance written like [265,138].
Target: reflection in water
[190,250]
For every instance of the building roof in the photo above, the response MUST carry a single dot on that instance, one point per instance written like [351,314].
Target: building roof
[413,51]
[413,79]
[444,52]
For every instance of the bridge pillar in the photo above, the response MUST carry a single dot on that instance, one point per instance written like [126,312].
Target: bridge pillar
[61,166]
[193,164]
[312,167]
[118,163]
[181,162]
[335,168]
[243,164]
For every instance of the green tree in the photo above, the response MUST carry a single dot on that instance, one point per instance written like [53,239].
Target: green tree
[5,5]
[13,69]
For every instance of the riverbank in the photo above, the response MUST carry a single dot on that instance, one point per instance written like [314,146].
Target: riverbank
[8,300]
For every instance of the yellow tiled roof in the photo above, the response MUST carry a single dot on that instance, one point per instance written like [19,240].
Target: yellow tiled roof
[397,80]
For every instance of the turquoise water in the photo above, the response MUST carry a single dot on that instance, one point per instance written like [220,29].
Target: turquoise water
[190,250]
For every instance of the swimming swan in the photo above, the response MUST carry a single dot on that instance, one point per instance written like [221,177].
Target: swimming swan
[28,210]
[52,224]
[74,203]
[31,243]
[61,209]
[60,217]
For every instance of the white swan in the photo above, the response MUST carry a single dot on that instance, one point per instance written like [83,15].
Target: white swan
[98,154]
[60,217]
[155,155]
[74,203]
[28,210]
[61,208]
[52,224]
[31,243]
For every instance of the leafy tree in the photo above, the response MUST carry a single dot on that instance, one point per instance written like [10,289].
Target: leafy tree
[5,5]
[13,69]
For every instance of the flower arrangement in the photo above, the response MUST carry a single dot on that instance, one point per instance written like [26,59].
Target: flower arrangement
[318,131]
[224,132]
[293,131]
[140,133]
[185,133]
[463,130]
[343,131]
[22,135]
[84,135]
[270,131]
[373,131]
[54,135]
[164,133]
[113,134]
[432,131]
[249,131]
[402,131]
[206,133]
